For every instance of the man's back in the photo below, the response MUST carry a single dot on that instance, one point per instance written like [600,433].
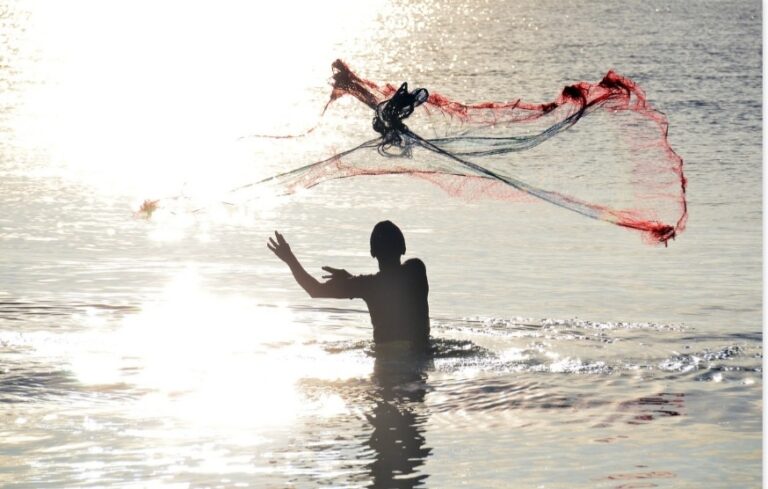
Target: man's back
[397,302]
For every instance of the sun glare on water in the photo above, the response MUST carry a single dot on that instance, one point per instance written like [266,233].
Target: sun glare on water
[212,361]
[144,98]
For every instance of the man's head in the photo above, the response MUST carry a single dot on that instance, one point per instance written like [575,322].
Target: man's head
[387,241]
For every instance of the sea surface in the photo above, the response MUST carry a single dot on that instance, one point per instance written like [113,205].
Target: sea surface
[177,351]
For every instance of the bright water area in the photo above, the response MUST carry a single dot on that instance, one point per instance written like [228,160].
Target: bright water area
[178,352]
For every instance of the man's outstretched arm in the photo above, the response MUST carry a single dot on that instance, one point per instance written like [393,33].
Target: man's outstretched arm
[314,288]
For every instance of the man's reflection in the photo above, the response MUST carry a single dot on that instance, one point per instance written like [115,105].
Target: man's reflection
[398,417]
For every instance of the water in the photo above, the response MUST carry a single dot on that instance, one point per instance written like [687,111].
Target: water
[178,352]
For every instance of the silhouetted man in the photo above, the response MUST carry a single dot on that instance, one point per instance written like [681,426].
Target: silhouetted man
[396,296]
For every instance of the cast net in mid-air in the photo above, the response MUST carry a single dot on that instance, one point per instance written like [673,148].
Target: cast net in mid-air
[611,160]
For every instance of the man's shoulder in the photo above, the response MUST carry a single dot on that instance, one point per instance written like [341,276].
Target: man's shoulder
[415,265]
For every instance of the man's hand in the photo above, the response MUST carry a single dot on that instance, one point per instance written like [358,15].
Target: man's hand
[336,273]
[281,248]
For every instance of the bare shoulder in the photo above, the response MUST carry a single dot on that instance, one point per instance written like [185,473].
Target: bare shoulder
[415,265]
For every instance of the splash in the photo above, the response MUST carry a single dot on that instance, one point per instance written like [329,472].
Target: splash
[617,167]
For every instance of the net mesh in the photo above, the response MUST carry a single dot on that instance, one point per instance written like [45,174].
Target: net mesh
[611,160]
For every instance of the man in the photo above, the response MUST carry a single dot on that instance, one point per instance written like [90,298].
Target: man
[396,296]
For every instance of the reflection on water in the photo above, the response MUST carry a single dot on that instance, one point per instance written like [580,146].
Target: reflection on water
[390,404]
[398,419]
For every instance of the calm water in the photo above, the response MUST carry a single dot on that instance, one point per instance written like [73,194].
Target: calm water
[178,352]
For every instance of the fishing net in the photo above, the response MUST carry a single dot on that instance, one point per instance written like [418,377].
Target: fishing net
[611,160]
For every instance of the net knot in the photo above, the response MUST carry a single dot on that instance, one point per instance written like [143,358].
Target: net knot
[388,120]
